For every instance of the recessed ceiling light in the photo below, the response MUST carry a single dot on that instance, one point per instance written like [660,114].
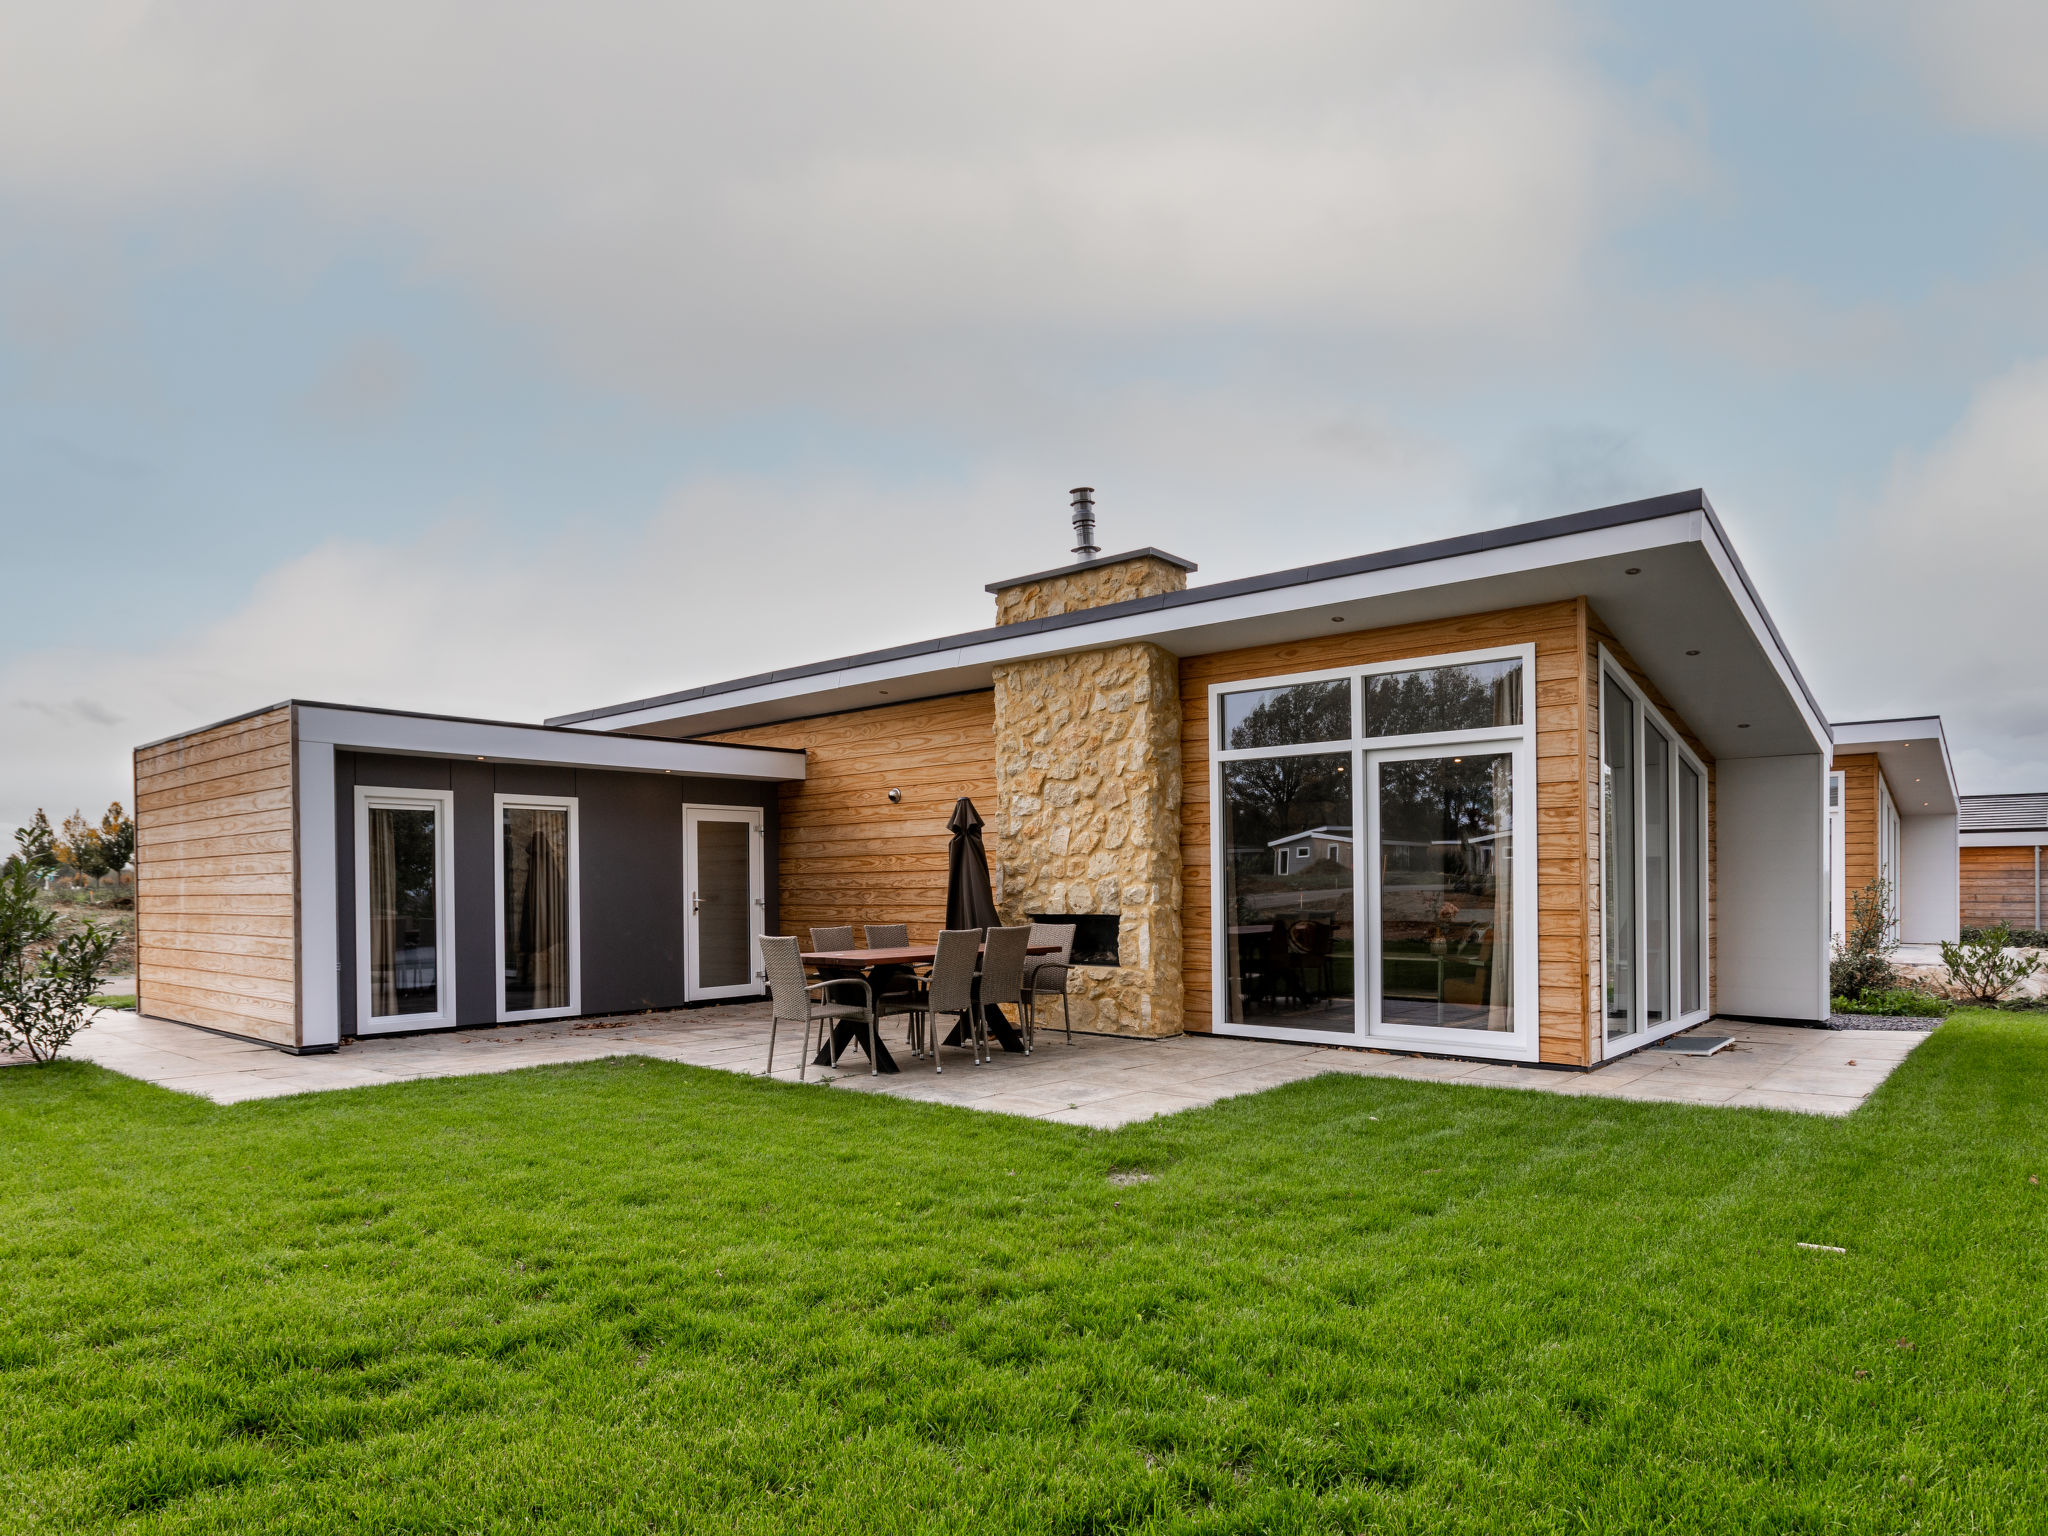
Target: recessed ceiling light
[1337,619]
[1634,570]
[1743,726]
[1692,653]
[883,692]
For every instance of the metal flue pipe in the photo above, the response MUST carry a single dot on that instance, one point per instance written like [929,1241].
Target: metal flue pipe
[1085,546]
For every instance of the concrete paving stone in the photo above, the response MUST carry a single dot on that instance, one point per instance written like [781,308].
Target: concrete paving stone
[1798,1103]
[1660,1089]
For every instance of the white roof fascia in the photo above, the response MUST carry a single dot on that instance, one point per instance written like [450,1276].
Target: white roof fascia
[2032,837]
[1752,613]
[429,736]
[1882,733]
[1162,625]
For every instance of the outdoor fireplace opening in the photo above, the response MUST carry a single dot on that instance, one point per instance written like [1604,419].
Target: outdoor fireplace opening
[1094,935]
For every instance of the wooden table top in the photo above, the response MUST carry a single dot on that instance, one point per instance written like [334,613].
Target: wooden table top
[907,954]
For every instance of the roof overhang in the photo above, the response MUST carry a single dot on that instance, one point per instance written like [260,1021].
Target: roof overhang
[412,735]
[1913,753]
[1661,574]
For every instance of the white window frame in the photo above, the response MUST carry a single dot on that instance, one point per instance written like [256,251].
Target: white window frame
[1647,714]
[1520,1043]
[442,802]
[499,805]
[695,991]
[1890,834]
[1838,854]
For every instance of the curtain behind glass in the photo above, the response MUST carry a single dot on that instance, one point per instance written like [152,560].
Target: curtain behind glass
[536,908]
[404,911]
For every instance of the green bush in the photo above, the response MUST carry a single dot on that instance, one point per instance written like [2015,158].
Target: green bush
[1862,959]
[2024,938]
[1981,970]
[1900,1002]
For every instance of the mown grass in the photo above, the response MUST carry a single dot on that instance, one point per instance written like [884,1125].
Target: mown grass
[632,1296]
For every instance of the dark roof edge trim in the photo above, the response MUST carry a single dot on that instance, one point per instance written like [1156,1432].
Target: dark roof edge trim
[421,714]
[1147,553]
[1646,510]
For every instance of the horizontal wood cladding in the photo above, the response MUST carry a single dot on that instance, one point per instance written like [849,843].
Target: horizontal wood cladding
[847,854]
[1558,632]
[1860,775]
[2002,885]
[216,879]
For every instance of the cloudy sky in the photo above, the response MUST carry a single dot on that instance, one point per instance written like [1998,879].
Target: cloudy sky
[508,359]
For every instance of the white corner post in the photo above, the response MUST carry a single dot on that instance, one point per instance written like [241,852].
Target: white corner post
[319,959]
[1771,907]
[1930,879]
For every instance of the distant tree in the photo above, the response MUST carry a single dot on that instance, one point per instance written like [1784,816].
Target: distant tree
[37,843]
[45,984]
[117,838]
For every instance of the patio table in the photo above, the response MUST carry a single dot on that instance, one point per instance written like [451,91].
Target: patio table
[905,956]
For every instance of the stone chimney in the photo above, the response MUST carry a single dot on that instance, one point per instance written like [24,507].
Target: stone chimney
[1088,781]
[1093,580]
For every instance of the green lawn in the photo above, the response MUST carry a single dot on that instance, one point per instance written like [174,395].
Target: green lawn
[633,1297]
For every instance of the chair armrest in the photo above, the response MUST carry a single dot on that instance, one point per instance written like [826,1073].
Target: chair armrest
[844,981]
[1048,977]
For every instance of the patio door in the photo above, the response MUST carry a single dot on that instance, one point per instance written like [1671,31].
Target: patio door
[726,906]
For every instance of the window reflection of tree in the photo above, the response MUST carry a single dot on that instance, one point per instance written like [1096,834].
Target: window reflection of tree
[1473,697]
[1269,798]
[1293,717]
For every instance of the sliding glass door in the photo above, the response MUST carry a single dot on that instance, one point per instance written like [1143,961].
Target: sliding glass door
[1367,880]
[538,927]
[1653,879]
[403,902]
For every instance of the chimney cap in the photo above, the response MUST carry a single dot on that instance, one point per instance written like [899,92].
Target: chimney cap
[1097,563]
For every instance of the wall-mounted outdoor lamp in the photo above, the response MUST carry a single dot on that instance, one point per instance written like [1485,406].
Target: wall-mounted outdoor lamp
[895,797]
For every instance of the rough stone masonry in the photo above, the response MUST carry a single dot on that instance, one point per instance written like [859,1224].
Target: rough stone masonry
[1088,786]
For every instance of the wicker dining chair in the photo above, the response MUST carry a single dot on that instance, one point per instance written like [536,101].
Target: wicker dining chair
[1002,977]
[832,938]
[1046,976]
[791,1002]
[886,935]
[947,992]
[896,989]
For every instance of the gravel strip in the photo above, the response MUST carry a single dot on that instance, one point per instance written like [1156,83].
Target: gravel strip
[1907,1022]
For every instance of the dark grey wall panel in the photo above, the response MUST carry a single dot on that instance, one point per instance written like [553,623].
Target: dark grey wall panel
[630,891]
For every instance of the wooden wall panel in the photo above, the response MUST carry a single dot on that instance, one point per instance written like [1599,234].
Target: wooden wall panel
[848,855]
[2000,886]
[216,879]
[1558,632]
[1859,773]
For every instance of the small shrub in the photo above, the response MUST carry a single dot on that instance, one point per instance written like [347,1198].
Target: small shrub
[1982,971]
[2022,938]
[1901,1002]
[45,983]
[1862,959]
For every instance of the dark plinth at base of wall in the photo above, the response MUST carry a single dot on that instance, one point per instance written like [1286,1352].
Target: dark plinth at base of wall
[1765,1018]
[228,1034]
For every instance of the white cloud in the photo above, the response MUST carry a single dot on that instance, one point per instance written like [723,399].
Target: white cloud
[1980,59]
[711,195]
[1935,601]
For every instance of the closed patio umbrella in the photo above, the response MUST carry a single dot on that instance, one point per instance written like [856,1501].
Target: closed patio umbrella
[971,901]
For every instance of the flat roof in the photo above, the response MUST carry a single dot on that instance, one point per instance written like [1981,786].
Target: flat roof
[1227,614]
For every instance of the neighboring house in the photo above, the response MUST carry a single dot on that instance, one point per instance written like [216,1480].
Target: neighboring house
[1590,777]
[1892,815]
[2002,837]
[1297,851]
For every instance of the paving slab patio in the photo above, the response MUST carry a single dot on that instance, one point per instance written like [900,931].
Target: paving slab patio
[1098,1081]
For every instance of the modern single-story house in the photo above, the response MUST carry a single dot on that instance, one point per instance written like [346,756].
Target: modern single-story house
[1893,815]
[1584,784]
[2002,836]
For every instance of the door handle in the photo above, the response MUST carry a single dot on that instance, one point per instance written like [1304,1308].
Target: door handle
[696,903]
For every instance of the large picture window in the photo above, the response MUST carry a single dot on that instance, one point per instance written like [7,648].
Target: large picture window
[403,901]
[1366,880]
[1653,877]
[538,936]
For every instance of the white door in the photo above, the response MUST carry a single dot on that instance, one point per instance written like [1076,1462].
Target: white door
[726,907]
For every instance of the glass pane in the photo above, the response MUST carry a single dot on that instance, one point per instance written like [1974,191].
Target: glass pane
[1691,952]
[724,901]
[1618,845]
[1656,876]
[536,908]
[1467,698]
[1446,850]
[1288,877]
[405,973]
[1288,717]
